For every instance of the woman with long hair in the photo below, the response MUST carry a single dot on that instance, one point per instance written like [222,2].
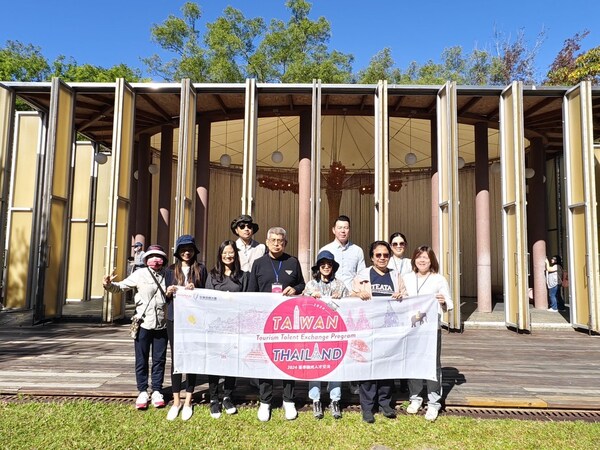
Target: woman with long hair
[188,273]
[227,276]
[425,279]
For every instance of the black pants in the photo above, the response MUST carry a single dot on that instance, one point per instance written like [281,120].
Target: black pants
[157,340]
[375,391]
[213,387]
[266,390]
[176,378]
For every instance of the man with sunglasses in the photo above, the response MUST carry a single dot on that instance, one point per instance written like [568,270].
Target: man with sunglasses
[248,248]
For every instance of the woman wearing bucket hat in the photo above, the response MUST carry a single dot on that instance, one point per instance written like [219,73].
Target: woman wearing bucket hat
[150,300]
[325,285]
[228,276]
[188,273]
[248,248]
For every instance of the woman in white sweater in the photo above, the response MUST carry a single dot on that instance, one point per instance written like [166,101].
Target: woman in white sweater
[425,279]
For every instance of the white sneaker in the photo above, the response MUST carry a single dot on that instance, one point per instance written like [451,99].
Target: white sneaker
[142,400]
[431,413]
[264,412]
[228,406]
[290,410]
[173,412]
[186,412]
[414,406]
[158,401]
[215,409]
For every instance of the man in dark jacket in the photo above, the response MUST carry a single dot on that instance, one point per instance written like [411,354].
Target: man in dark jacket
[281,273]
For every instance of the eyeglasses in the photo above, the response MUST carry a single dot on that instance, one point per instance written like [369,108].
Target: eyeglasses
[228,254]
[276,241]
[398,244]
[243,226]
[382,255]
[326,264]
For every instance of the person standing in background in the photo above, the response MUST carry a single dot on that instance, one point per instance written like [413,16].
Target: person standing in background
[554,277]
[137,260]
[398,261]
[248,249]
[349,256]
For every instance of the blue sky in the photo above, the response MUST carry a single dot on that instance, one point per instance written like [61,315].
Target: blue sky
[110,32]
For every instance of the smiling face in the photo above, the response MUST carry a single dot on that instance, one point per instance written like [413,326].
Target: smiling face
[398,246]
[423,263]
[186,253]
[276,245]
[228,256]
[380,258]
[326,269]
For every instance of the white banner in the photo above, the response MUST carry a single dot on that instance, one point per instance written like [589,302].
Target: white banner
[258,335]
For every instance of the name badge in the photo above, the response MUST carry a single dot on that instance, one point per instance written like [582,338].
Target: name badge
[277,288]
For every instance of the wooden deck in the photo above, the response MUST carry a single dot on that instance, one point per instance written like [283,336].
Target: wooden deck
[481,367]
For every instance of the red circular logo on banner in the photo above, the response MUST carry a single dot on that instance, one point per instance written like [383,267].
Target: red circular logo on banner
[305,339]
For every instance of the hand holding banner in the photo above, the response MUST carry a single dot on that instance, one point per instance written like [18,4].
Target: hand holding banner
[258,335]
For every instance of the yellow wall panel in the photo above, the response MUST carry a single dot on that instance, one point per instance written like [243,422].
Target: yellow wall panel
[17,270]
[76,254]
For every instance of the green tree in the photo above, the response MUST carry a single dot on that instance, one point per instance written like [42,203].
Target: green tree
[587,67]
[69,70]
[235,47]
[230,40]
[381,67]
[22,62]
[180,37]
[297,51]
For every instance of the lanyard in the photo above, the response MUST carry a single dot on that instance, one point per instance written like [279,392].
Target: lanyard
[424,281]
[276,272]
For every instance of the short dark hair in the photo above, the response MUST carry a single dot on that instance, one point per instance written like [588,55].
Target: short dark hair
[435,265]
[377,244]
[342,218]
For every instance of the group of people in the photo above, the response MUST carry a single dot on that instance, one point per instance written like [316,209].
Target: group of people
[245,265]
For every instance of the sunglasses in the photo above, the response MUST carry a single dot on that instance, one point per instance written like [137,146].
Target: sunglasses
[243,226]
[398,244]
[382,255]
[326,264]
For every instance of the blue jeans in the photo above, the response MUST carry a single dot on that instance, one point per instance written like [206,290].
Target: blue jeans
[555,297]
[147,340]
[334,388]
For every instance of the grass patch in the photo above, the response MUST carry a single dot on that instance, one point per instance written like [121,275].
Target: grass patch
[81,424]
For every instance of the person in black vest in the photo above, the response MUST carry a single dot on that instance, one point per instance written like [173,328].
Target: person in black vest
[280,273]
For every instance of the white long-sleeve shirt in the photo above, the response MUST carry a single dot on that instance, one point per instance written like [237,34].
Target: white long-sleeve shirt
[433,283]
